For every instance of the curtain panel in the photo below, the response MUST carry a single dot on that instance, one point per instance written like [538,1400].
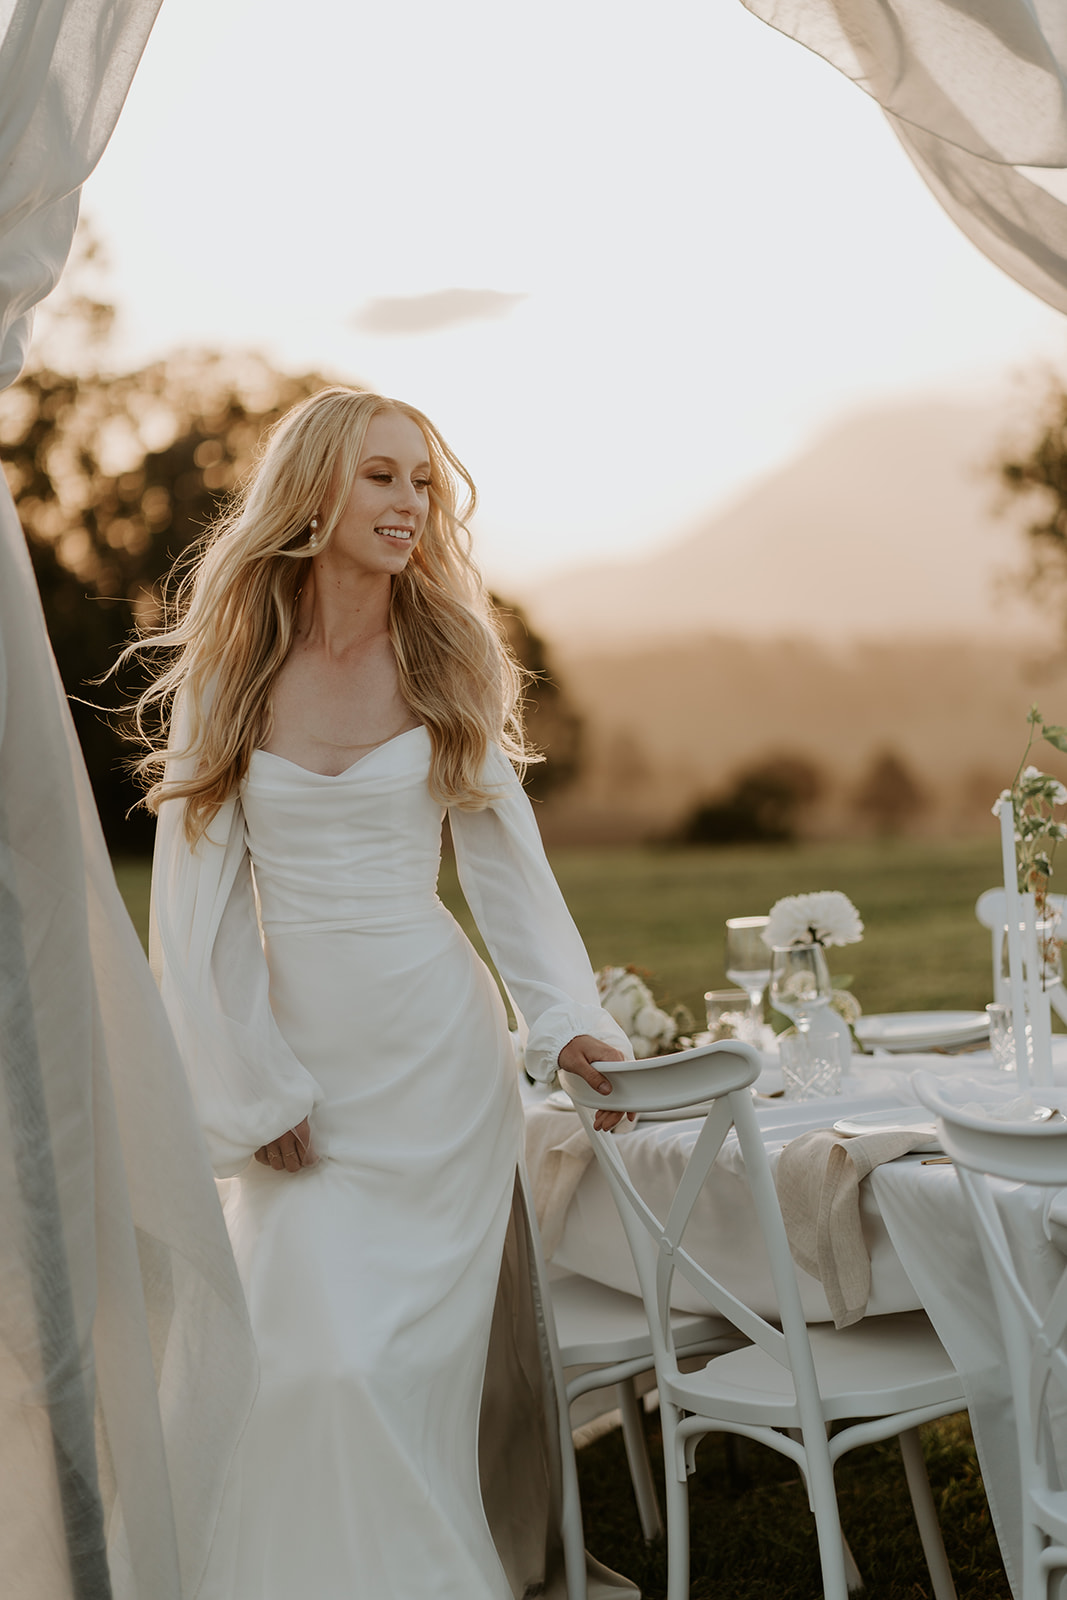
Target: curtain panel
[976,91]
[126,1362]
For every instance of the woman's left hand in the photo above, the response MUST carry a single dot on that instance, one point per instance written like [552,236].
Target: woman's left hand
[580,1057]
[290,1152]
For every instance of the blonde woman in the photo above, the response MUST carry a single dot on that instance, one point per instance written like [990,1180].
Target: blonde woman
[337,686]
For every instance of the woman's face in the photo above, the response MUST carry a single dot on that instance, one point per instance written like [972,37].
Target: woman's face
[386,511]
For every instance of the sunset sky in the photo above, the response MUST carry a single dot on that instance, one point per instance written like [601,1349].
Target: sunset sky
[685,244]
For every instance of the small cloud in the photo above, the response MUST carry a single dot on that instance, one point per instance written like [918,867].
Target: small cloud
[396,315]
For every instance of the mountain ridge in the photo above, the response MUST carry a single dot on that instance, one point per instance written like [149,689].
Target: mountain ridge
[887,524]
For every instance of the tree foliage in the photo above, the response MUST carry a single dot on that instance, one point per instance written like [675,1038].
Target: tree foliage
[764,804]
[1037,475]
[553,725]
[889,794]
[115,477]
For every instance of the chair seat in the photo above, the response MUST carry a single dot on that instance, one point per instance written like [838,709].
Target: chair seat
[598,1324]
[877,1367]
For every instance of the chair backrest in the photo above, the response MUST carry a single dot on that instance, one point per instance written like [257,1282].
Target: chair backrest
[1031,1304]
[991,910]
[720,1073]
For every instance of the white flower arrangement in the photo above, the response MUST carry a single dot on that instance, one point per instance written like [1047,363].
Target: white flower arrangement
[825,918]
[650,1030]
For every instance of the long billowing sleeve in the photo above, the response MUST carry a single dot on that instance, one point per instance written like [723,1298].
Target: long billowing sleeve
[524,920]
[209,962]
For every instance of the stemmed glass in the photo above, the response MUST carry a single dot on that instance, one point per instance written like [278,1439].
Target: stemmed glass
[800,986]
[800,982]
[748,960]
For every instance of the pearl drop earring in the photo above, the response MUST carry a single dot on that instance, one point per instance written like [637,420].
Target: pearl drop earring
[313,541]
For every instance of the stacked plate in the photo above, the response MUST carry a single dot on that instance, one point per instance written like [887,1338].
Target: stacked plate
[899,1119]
[906,1031]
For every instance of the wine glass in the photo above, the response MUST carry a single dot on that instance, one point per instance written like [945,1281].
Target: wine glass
[800,982]
[730,1016]
[748,960]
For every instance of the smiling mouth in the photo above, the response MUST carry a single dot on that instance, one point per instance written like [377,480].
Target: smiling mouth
[398,535]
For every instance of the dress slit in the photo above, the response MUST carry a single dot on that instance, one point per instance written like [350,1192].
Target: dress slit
[517,1449]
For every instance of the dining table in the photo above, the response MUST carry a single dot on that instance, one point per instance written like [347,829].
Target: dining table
[923,1246]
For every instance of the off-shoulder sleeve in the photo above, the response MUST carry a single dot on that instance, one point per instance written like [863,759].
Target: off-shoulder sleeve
[524,921]
[209,962]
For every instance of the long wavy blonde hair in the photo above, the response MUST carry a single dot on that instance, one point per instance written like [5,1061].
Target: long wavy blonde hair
[230,623]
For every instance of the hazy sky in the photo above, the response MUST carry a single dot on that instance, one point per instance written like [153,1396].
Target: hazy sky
[625,256]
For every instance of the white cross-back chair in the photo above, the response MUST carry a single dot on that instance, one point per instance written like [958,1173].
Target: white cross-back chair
[605,1344]
[991,910]
[1034,1328]
[602,1338]
[791,1382]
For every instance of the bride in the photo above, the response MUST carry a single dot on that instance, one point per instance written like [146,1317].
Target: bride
[337,686]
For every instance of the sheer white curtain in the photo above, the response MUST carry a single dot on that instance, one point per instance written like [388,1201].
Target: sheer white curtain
[976,91]
[126,1362]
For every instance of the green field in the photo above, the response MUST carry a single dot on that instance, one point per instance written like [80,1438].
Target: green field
[663,910]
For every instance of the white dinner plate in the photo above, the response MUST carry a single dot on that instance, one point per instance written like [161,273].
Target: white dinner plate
[893,1119]
[921,1030]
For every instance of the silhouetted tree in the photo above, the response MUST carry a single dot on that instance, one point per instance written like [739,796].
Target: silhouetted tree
[888,794]
[113,479]
[553,724]
[764,804]
[1038,475]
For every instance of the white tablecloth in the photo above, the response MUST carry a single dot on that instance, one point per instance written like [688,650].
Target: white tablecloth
[924,1251]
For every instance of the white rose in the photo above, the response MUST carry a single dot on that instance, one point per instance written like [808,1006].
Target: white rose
[629,1001]
[654,1025]
[623,996]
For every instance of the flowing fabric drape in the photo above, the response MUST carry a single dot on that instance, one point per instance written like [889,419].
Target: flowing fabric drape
[126,1362]
[976,91]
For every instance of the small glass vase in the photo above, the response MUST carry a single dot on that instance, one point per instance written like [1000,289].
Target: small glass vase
[1050,954]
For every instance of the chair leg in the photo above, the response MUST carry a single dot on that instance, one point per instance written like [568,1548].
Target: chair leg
[633,1434]
[823,1495]
[677,1507]
[850,1572]
[571,1528]
[853,1575]
[926,1516]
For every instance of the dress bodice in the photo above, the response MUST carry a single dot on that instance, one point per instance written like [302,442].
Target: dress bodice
[348,849]
[359,851]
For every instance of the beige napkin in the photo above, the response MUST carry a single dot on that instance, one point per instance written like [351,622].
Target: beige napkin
[818,1182]
[557,1154]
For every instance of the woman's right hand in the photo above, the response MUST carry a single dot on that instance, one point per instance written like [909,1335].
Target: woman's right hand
[580,1057]
[290,1151]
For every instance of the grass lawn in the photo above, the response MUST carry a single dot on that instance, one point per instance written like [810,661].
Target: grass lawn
[663,910]
[752,1534]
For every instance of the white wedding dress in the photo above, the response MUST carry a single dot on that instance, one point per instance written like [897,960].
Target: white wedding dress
[372,1277]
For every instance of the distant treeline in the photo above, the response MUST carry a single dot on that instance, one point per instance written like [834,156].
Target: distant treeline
[770,801]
